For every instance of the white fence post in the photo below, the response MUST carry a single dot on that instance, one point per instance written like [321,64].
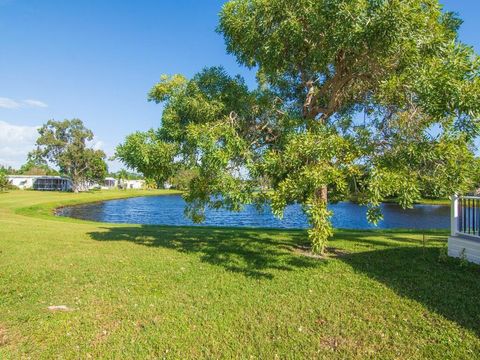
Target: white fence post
[454,215]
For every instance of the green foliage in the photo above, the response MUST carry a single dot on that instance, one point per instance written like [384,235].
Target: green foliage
[443,254]
[64,143]
[463,258]
[7,170]
[125,175]
[3,181]
[167,86]
[151,184]
[122,175]
[5,184]
[182,178]
[319,217]
[33,168]
[147,154]
[364,98]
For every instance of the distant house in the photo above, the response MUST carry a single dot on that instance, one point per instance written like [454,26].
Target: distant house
[109,183]
[133,184]
[41,182]
[112,183]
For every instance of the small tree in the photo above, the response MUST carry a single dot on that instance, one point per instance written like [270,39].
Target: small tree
[121,177]
[3,181]
[65,144]
[150,184]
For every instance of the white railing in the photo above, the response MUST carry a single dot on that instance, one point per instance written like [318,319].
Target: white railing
[465,216]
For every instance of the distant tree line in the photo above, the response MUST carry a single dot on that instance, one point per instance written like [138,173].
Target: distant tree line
[126,175]
[30,168]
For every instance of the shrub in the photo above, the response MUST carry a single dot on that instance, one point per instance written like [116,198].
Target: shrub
[4,183]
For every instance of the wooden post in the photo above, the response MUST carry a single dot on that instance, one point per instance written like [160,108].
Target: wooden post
[454,215]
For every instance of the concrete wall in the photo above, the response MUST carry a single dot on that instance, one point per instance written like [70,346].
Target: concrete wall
[469,247]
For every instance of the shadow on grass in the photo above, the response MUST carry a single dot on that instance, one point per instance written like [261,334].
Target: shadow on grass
[395,259]
[252,253]
[400,261]
[416,273]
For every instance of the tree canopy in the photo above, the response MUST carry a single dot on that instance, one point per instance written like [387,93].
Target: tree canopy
[374,98]
[65,144]
[36,168]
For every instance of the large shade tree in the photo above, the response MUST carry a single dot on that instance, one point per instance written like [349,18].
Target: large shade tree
[65,144]
[373,97]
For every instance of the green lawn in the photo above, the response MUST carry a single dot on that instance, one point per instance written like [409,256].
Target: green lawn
[423,201]
[153,292]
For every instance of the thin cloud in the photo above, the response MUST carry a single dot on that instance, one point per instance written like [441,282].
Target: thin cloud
[98,145]
[35,103]
[16,142]
[7,103]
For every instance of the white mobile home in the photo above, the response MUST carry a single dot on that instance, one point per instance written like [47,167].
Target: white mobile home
[41,182]
[109,183]
[112,183]
[133,184]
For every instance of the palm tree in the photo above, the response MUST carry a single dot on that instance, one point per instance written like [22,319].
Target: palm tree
[122,175]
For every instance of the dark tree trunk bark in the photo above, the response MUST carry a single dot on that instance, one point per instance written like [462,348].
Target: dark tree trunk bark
[321,194]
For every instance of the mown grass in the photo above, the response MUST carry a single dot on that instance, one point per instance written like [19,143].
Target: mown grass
[165,292]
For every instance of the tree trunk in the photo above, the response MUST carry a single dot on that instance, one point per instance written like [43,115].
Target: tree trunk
[321,194]
[75,185]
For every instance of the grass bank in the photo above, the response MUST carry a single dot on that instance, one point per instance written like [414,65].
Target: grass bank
[422,201]
[151,292]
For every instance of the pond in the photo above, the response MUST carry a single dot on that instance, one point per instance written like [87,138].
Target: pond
[168,210]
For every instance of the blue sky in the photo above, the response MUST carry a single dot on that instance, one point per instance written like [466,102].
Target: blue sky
[97,59]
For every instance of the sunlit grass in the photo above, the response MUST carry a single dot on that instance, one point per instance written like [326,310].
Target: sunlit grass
[151,292]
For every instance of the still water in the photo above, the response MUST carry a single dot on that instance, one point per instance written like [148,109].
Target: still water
[168,210]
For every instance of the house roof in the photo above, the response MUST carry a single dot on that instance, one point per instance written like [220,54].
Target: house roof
[37,177]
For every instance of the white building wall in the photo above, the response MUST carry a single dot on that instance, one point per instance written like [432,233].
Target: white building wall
[22,182]
[462,247]
[27,181]
[112,183]
[134,184]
